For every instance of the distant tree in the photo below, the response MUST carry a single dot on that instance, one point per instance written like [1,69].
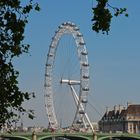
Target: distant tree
[102,15]
[13,19]
[46,130]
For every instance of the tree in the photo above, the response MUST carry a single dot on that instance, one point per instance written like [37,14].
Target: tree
[13,19]
[102,15]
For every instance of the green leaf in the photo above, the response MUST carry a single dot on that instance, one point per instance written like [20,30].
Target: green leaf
[37,8]
[30,116]
[126,15]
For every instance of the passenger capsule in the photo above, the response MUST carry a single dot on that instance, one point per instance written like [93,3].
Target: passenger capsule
[64,23]
[47,85]
[84,101]
[48,105]
[85,89]
[52,46]
[52,123]
[54,38]
[50,54]
[76,28]
[48,65]
[85,64]
[82,43]
[56,32]
[60,27]
[85,76]
[47,95]
[79,35]
[84,53]
[73,24]
[79,121]
[47,75]
[49,115]
[81,112]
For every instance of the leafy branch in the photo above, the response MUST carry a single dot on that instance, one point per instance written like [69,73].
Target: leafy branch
[13,20]
[102,16]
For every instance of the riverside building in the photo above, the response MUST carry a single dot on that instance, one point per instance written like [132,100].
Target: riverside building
[121,120]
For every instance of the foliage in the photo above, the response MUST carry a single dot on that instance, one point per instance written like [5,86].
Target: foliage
[13,19]
[46,130]
[102,15]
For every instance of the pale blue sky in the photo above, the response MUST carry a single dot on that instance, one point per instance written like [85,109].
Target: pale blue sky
[114,59]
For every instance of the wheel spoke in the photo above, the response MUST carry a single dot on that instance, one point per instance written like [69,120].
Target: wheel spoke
[77,82]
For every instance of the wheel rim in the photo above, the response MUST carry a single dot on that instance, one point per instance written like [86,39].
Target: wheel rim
[82,55]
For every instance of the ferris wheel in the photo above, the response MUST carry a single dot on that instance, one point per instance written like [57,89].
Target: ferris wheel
[78,83]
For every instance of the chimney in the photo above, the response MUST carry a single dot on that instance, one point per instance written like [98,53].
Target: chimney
[115,109]
[107,110]
[120,108]
[128,104]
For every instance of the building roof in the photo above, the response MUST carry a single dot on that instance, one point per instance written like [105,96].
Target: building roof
[133,110]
